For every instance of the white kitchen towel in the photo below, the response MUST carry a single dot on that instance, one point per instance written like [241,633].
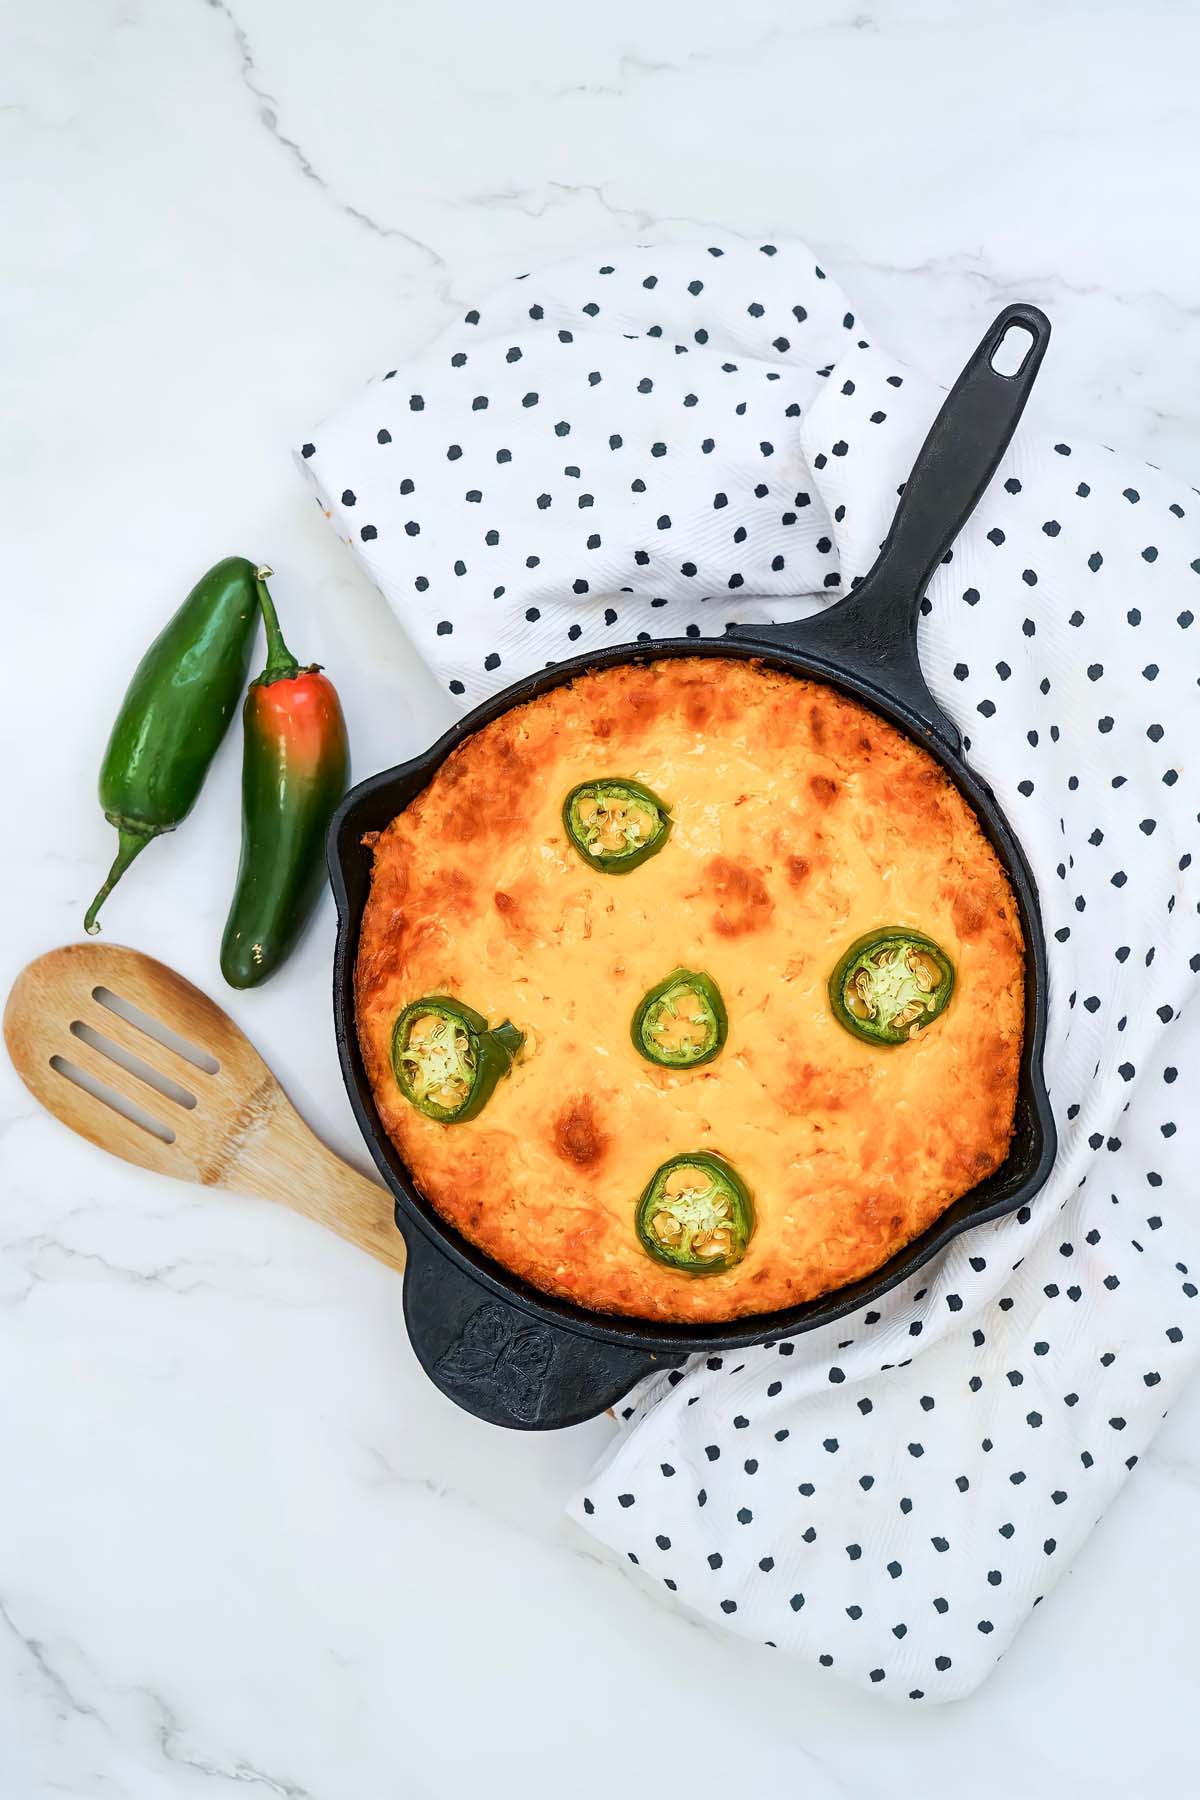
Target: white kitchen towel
[636,443]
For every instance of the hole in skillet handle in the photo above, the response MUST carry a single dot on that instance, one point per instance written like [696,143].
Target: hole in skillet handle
[500,1363]
[871,633]
[1008,358]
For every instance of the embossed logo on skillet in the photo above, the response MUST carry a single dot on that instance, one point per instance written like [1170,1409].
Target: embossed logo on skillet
[498,1353]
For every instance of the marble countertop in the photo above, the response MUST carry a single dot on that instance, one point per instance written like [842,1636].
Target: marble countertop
[243,1543]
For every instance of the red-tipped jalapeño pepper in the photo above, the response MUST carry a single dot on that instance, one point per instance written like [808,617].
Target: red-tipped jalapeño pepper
[295,768]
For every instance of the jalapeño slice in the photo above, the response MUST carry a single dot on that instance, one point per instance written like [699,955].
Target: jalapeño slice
[696,1215]
[890,985]
[446,1060]
[615,824]
[681,1023]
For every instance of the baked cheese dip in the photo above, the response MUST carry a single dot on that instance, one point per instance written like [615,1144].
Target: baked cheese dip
[691,990]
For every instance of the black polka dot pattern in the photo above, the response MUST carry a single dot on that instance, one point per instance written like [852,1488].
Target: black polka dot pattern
[677,438]
[528,422]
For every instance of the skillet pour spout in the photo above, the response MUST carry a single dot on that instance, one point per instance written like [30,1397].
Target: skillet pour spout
[523,1359]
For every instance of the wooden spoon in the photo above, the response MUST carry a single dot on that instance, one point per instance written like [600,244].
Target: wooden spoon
[140,1062]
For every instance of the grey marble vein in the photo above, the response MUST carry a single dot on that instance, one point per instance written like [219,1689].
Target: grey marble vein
[169,1734]
[66,1703]
[269,115]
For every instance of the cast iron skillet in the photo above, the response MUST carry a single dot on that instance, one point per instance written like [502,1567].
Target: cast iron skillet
[520,1358]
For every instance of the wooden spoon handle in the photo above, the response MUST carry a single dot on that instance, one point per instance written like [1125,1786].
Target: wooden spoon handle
[277,1157]
[359,1210]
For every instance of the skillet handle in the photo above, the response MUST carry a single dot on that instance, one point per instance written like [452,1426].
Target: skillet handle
[959,457]
[871,632]
[501,1363]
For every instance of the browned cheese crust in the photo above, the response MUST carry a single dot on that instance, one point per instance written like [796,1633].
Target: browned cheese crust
[801,822]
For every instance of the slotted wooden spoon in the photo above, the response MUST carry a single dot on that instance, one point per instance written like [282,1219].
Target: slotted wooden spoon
[140,1062]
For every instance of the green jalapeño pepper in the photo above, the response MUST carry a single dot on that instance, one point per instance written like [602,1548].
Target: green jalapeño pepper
[696,1215]
[681,1023]
[295,766]
[890,985]
[615,824]
[175,713]
[446,1060]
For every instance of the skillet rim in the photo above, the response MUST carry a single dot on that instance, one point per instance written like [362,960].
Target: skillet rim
[1000,1194]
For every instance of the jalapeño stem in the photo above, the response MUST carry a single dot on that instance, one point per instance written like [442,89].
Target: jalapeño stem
[281,664]
[129,845]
